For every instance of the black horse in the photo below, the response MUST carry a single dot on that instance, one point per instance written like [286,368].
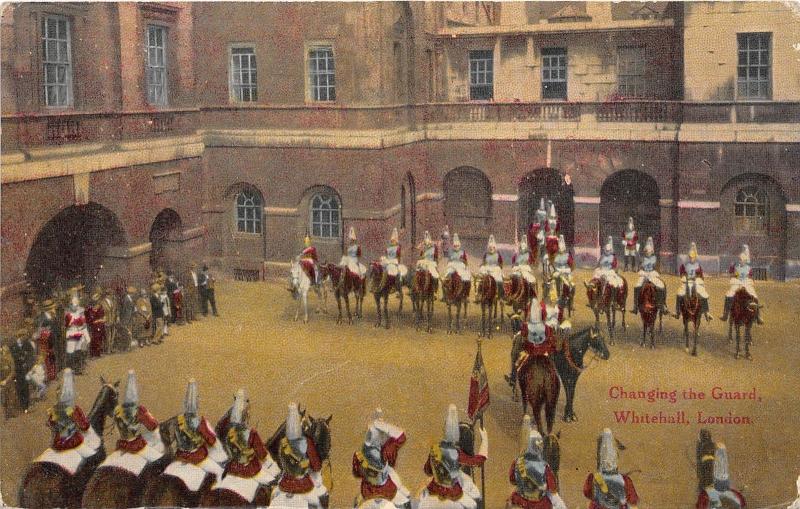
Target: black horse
[569,363]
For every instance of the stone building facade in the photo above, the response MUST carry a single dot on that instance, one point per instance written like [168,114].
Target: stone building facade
[143,135]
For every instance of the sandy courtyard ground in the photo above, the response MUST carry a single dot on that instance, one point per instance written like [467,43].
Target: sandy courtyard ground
[349,370]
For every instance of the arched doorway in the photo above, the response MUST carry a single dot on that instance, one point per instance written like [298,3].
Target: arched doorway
[165,231]
[547,183]
[412,207]
[468,205]
[630,193]
[753,212]
[70,248]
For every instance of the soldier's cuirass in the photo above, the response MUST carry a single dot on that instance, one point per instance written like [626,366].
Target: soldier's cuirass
[553,223]
[614,497]
[536,333]
[561,260]
[607,261]
[742,271]
[691,269]
[523,258]
[187,437]
[541,216]
[456,254]
[292,462]
[352,251]
[649,263]
[629,234]
[722,499]
[492,259]
[239,442]
[391,252]
[429,253]
[64,425]
[534,483]
[127,422]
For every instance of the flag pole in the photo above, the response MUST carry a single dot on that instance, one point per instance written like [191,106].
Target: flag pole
[483,471]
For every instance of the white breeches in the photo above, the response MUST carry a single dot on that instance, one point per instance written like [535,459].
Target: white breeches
[430,266]
[525,272]
[609,275]
[394,268]
[353,265]
[699,286]
[460,268]
[630,251]
[747,284]
[493,270]
[651,276]
[565,273]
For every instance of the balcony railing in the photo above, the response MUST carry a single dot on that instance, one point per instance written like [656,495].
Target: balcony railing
[27,130]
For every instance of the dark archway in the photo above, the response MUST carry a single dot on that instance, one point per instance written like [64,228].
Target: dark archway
[70,248]
[753,212]
[630,193]
[412,203]
[468,205]
[547,183]
[165,231]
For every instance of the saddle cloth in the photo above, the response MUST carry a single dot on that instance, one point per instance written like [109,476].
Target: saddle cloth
[132,462]
[247,487]
[191,475]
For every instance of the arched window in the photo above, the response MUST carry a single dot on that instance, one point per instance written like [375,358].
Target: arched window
[750,202]
[248,211]
[325,217]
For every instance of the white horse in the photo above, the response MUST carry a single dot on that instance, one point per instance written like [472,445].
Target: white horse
[299,285]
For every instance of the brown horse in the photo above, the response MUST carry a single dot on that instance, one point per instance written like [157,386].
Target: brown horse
[382,285]
[487,296]
[424,294]
[344,282]
[604,300]
[540,387]
[456,293]
[743,314]
[691,308]
[519,293]
[649,310]
[47,485]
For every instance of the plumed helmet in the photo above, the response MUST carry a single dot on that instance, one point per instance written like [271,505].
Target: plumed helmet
[523,242]
[609,247]
[630,224]
[721,463]
[395,237]
[239,410]
[446,232]
[491,244]
[562,245]
[535,448]
[352,234]
[451,432]
[648,246]
[307,241]
[541,203]
[552,212]
[67,395]
[456,241]
[535,311]
[693,250]
[191,399]
[524,432]
[294,429]
[427,238]
[607,453]
[373,456]
[131,390]
[745,254]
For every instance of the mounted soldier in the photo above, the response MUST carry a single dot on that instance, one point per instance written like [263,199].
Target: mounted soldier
[445,243]
[720,494]
[391,261]
[74,439]
[374,464]
[535,483]
[429,256]
[691,274]
[535,339]
[139,441]
[607,488]
[350,260]
[457,261]
[522,260]
[607,266]
[77,334]
[449,487]
[555,317]
[741,277]
[309,261]
[251,468]
[630,241]
[648,272]
[564,264]
[552,228]
[493,265]
[301,465]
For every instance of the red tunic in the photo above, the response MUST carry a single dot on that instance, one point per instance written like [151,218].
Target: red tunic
[631,243]
[682,271]
[703,501]
[631,496]
[368,490]
[138,443]
[199,454]
[252,467]
[95,316]
[74,440]
[74,321]
[308,260]
[543,503]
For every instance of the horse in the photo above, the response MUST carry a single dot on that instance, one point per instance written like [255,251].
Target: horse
[604,300]
[344,282]
[299,285]
[569,363]
[424,292]
[456,293]
[48,485]
[519,293]
[486,295]
[743,314]
[539,386]
[648,310]
[112,486]
[382,285]
[691,310]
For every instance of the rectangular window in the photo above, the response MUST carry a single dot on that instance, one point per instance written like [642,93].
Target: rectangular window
[156,65]
[630,71]
[244,83]
[481,75]
[57,61]
[754,71]
[554,73]
[321,73]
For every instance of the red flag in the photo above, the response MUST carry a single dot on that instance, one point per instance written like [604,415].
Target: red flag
[478,387]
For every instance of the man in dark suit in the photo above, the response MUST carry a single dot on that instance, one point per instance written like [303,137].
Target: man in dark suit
[206,285]
[23,351]
[158,312]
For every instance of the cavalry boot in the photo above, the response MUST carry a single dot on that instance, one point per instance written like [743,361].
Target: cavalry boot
[704,310]
[727,310]
[636,291]
[678,304]
[759,321]
[661,294]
